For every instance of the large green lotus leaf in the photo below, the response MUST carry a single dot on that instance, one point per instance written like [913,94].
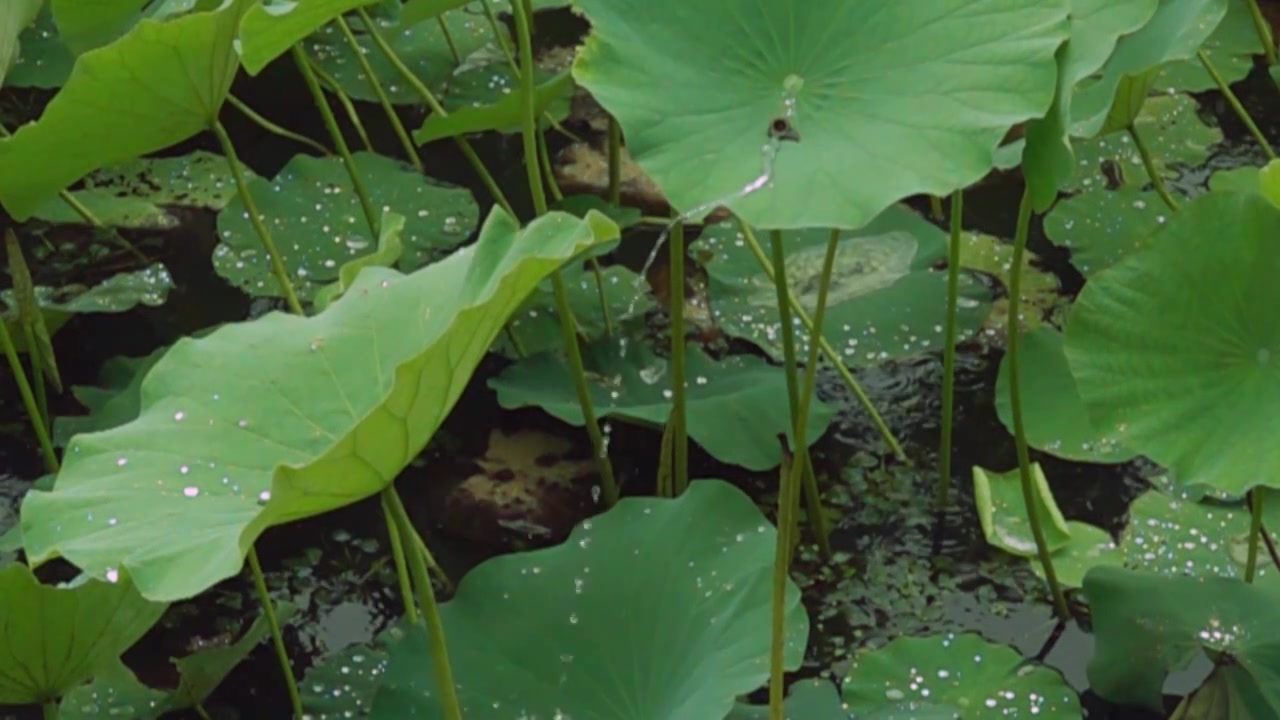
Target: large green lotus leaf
[88,24]
[657,608]
[1176,352]
[806,700]
[1177,536]
[736,407]
[282,418]
[1148,625]
[877,90]
[1054,416]
[138,192]
[268,31]
[1230,48]
[422,46]
[15,16]
[1171,127]
[536,325]
[1096,25]
[1175,32]
[1002,511]
[54,637]
[886,300]
[158,85]
[1102,227]
[317,223]
[44,61]
[115,402]
[973,678]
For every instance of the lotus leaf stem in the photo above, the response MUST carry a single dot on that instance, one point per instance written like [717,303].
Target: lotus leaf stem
[306,67]
[277,639]
[568,325]
[1149,164]
[406,142]
[499,32]
[604,300]
[397,554]
[789,494]
[548,170]
[664,483]
[262,122]
[832,356]
[1225,88]
[49,709]
[949,351]
[448,39]
[255,218]
[615,161]
[344,100]
[812,496]
[1255,532]
[1263,29]
[935,207]
[35,357]
[1013,330]
[28,398]
[430,99]
[679,421]
[430,609]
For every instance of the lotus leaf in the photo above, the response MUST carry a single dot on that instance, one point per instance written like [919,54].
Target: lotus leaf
[268,31]
[1003,512]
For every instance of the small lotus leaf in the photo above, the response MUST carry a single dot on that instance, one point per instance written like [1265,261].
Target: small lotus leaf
[1241,179]
[115,692]
[316,220]
[876,90]
[158,85]
[44,60]
[421,45]
[806,700]
[973,678]
[1088,547]
[655,609]
[1054,416]
[1101,227]
[282,418]
[1175,350]
[885,301]
[1003,511]
[53,638]
[503,113]
[343,685]
[1040,289]
[1230,48]
[1148,625]
[737,407]
[14,18]
[536,325]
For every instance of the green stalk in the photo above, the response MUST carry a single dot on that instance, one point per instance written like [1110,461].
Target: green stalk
[1255,532]
[1236,105]
[812,496]
[273,128]
[615,161]
[789,496]
[406,142]
[1013,329]
[828,351]
[49,709]
[397,554]
[430,609]
[448,40]
[269,612]
[548,171]
[568,325]
[348,107]
[935,207]
[1149,163]
[37,377]
[663,487]
[251,207]
[430,99]
[28,399]
[373,218]
[499,32]
[949,351]
[1264,31]
[679,419]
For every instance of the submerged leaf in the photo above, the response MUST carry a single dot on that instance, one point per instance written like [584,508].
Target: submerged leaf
[158,85]
[560,630]
[55,637]
[265,422]
[1176,351]
[876,91]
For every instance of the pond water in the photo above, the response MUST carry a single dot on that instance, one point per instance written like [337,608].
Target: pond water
[898,569]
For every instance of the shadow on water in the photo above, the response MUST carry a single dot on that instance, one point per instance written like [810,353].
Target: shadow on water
[886,580]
